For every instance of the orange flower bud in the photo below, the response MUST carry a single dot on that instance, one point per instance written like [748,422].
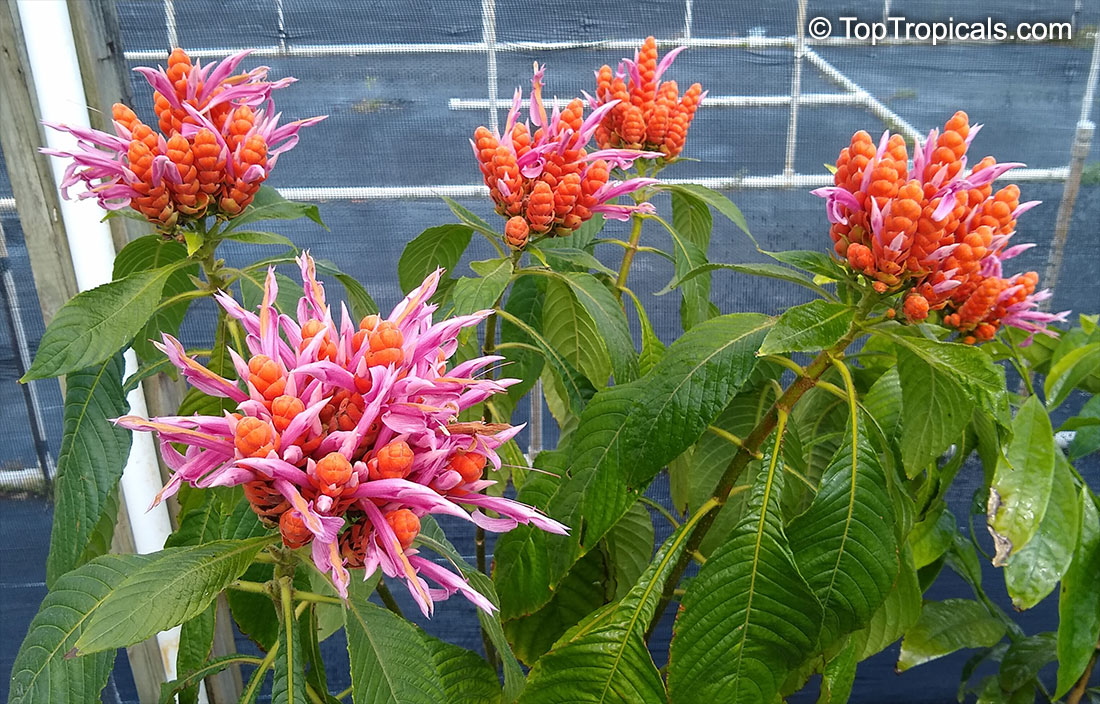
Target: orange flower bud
[293,529]
[405,524]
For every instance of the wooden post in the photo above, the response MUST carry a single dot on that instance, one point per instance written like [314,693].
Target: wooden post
[37,204]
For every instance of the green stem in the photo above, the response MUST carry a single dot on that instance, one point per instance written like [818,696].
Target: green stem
[387,598]
[750,446]
[343,694]
[661,510]
[286,599]
[628,255]
[258,676]
[259,588]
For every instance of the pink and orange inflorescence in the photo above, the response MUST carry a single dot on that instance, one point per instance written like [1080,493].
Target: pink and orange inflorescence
[345,436]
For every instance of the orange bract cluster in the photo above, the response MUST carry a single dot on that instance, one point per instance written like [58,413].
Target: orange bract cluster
[648,113]
[558,200]
[936,229]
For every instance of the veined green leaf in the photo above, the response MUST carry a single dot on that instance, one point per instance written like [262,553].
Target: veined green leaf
[470,219]
[844,544]
[947,626]
[748,618]
[898,612]
[1079,600]
[715,200]
[390,662]
[628,432]
[691,230]
[577,387]
[814,261]
[473,294]
[935,407]
[808,327]
[93,453]
[568,326]
[176,585]
[1069,371]
[1087,439]
[1032,573]
[269,205]
[431,536]
[196,641]
[436,247]
[652,347]
[770,271]
[610,320]
[41,671]
[465,676]
[259,237]
[1024,659]
[605,659]
[149,253]
[629,547]
[96,323]
[1022,481]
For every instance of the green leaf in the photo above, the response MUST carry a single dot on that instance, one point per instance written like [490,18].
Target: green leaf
[844,543]
[269,205]
[652,347]
[605,658]
[814,261]
[258,237]
[198,524]
[629,547]
[1069,371]
[1032,573]
[715,200]
[470,219]
[1022,481]
[610,320]
[432,536]
[1024,659]
[897,614]
[1087,438]
[770,271]
[570,257]
[839,675]
[630,431]
[947,626]
[473,294]
[576,385]
[748,618]
[196,640]
[288,685]
[567,325]
[465,676]
[96,323]
[93,453]
[390,662]
[809,327]
[153,252]
[1079,600]
[578,594]
[176,585]
[41,671]
[691,230]
[932,536]
[935,408]
[434,248]
[524,302]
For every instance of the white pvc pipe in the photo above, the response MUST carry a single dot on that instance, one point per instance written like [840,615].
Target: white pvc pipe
[51,53]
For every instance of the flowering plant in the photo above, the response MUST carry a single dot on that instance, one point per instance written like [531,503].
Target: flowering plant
[808,455]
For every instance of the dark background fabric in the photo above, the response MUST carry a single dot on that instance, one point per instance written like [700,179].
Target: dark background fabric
[396,120]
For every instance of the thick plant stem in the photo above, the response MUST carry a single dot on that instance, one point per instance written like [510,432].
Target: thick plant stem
[1078,691]
[628,256]
[750,446]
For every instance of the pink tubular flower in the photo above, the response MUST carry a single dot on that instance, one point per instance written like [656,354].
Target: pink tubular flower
[546,178]
[346,435]
[219,139]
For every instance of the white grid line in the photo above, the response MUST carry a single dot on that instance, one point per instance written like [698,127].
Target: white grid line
[171,32]
[489,36]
